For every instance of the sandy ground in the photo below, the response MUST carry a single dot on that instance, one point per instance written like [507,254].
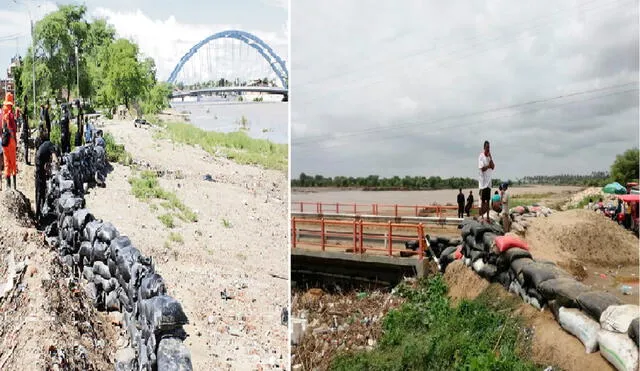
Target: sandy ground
[249,258]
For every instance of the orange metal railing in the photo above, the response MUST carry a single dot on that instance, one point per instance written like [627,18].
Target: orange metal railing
[357,232]
[373,209]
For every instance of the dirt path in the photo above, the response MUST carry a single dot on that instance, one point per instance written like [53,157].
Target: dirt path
[240,255]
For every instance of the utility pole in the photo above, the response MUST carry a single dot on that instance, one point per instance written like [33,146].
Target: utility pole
[33,70]
[77,72]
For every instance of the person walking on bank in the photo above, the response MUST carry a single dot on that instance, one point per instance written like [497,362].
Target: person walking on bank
[65,140]
[469,204]
[43,166]
[24,132]
[486,167]
[79,123]
[9,144]
[460,204]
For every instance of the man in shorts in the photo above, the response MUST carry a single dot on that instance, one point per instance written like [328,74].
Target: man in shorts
[486,167]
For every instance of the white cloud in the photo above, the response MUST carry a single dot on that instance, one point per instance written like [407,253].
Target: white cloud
[359,68]
[284,4]
[168,40]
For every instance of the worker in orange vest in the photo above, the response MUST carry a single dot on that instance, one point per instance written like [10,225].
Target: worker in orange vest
[9,140]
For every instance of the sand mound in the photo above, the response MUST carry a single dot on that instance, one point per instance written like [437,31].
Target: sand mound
[463,282]
[584,236]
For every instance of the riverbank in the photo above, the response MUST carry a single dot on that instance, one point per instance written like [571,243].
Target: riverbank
[229,267]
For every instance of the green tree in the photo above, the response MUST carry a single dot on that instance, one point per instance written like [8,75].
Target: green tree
[124,77]
[625,168]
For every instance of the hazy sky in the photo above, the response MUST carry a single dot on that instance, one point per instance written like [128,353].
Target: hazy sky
[164,30]
[414,88]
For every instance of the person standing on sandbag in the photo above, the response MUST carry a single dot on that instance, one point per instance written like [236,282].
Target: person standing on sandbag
[9,143]
[460,204]
[469,203]
[486,167]
[65,140]
[43,167]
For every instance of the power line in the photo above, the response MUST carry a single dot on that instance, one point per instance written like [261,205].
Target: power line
[434,63]
[350,159]
[466,115]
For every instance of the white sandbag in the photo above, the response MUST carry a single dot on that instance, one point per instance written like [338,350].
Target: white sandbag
[619,350]
[478,265]
[581,326]
[618,317]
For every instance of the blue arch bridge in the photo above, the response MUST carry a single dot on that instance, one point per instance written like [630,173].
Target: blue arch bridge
[275,63]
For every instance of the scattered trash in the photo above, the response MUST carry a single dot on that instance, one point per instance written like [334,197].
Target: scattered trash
[224,295]
[208,178]
[625,289]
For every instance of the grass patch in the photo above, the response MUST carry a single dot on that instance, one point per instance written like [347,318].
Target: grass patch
[146,187]
[176,237]
[428,333]
[238,145]
[528,199]
[226,223]
[584,202]
[167,220]
[116,152]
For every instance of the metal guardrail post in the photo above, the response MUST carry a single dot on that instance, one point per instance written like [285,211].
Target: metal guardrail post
[355,236]
[294,240]
[322,231]
[390,239]
[396,209]
[421,239]
[361,238]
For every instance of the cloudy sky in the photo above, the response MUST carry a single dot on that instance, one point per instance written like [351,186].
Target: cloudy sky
[164,30]
[416,89]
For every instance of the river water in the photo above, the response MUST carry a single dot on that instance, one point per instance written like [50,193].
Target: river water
[408,197]
[263,120]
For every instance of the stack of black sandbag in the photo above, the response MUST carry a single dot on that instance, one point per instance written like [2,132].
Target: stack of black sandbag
[118,277]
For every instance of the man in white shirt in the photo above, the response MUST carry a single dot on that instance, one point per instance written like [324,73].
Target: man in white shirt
[486,167]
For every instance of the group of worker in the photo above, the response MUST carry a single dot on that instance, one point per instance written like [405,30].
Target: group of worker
[46,152]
